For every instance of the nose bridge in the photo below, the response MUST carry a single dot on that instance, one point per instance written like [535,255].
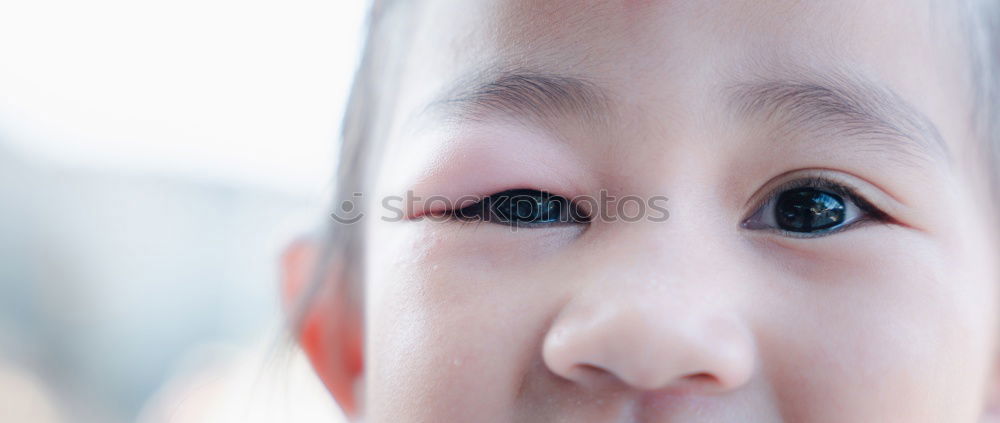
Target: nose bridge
[681,257]
[654,315]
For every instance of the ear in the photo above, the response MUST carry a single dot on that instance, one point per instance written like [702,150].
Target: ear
[330,327]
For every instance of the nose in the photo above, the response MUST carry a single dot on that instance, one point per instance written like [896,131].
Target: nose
[650,340]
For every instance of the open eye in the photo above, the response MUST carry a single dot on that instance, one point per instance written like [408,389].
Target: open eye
[812,207]
[523,207]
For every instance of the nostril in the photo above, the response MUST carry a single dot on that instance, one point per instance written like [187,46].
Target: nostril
[698,382]
[590,373]
[592,376]
[701,377]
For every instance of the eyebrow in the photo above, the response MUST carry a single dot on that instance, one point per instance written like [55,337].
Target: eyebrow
[843,106]
[541,98]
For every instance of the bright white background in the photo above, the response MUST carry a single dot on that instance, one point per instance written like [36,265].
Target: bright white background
[154,158]
[247,91]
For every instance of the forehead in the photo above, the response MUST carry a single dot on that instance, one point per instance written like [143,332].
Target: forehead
[613,29]
[665,57]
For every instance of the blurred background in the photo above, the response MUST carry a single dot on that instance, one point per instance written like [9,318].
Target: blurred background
[155,157]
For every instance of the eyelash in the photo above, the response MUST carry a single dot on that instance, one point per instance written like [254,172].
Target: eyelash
[869,213]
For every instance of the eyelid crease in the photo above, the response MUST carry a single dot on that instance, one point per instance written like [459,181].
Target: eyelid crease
[833,175]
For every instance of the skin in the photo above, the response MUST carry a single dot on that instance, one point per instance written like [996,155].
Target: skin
[691,319]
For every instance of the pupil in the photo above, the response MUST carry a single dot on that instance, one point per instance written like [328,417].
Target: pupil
[808,210]
[525,208]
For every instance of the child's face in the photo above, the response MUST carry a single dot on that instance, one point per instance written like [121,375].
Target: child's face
[829,254]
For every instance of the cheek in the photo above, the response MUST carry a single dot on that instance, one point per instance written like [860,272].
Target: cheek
[880,322]
[450,332]
[875,324]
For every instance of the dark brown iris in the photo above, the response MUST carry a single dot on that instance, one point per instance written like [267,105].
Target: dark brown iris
[809,210]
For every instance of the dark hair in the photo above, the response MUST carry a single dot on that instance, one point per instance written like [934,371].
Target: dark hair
[361,140]
[982,18]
